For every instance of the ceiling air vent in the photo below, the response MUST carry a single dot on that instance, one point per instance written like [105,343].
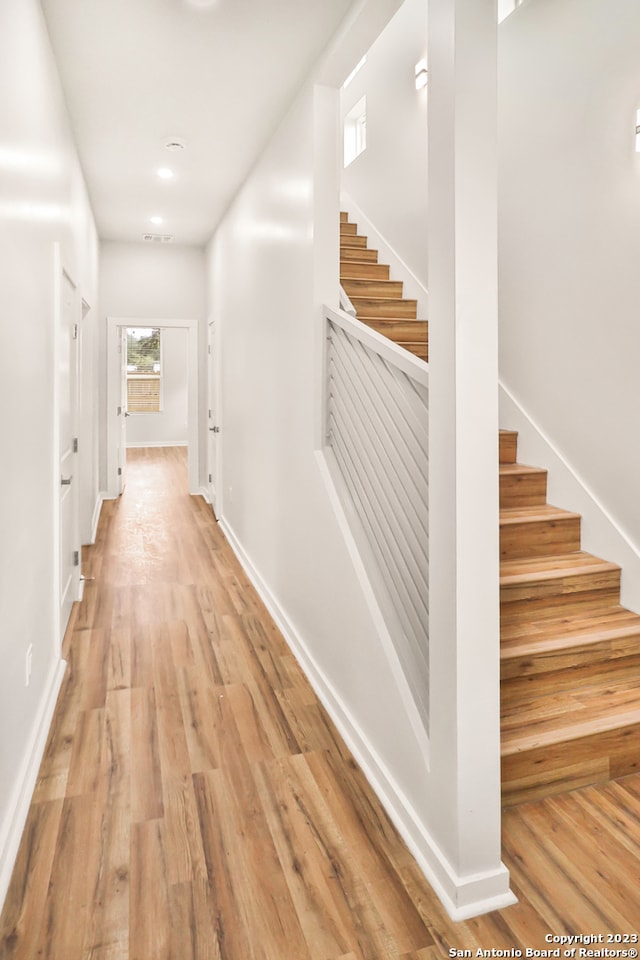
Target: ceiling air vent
[157,237]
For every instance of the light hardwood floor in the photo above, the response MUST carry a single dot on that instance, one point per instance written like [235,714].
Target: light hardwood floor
[195,802]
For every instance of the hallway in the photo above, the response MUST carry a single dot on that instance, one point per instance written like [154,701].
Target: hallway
[195,801]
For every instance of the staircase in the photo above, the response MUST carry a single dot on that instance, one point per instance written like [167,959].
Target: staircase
[377,300]
[570,654]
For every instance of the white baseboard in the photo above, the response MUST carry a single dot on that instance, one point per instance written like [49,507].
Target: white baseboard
[16,816]
[95,519]
[137,445]
[601,534]
[462,897]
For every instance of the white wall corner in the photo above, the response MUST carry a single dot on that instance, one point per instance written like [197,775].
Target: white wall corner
[462,896]
[601,533]
[12,828]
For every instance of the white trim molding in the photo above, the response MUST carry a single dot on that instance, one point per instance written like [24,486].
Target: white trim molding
[12,828]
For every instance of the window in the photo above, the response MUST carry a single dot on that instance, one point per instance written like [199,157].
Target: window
[355,131]
[144,369]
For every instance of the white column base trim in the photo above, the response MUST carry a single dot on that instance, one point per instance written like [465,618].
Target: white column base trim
[16,816]
[463,897]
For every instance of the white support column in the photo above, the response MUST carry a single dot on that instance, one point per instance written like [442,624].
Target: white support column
[464,551]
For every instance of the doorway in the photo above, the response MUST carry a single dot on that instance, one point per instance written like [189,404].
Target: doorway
[117,394]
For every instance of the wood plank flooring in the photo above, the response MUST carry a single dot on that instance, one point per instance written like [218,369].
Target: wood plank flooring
[196,803]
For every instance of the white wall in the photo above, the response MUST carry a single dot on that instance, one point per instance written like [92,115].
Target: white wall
[569,194]
[42,201]
[271,264]
[388,181]
[169,426]
[149,281]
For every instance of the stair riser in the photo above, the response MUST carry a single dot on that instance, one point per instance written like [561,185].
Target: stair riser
[547,607]
[373,288]
[414,331]
[350,242]
[418,349]
[523,490]
[363,271]
[533,774]
[343,216]
[539,538]
[370,307]
[358,254]
[348,229]
[508,446]
[548,675]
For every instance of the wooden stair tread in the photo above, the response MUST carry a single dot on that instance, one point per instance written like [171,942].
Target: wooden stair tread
[385,289]
[565,631]
[559,641]
[512,515]
[519,469]
[363,270]
[571,715]
[528,569]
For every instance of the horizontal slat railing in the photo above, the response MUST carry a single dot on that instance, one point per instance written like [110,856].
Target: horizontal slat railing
[376,429]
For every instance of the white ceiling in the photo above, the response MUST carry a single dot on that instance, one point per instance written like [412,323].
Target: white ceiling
[137,72]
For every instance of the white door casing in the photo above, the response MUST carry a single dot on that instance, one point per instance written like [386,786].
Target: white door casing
[213,432]
[122,410]
[68,312]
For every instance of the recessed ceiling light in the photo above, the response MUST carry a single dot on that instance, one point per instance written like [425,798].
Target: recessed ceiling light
[174,144]
[157,220]
[201,4]
[165,173]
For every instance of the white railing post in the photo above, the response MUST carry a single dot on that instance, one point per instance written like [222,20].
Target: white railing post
[464,553]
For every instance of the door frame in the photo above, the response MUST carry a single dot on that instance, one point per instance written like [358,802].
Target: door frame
[214,488]
[61,268]
[113,395]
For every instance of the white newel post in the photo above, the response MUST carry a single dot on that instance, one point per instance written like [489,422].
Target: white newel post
[464,551]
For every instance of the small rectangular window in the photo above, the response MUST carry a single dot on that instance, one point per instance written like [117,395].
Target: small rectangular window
[144,370]
[355,131]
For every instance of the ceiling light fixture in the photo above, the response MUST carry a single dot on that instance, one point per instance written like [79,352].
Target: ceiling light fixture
[165,173]
[156,220]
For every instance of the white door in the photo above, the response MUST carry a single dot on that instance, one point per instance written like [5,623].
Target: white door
[69,539]
[214,430]
[122,409]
